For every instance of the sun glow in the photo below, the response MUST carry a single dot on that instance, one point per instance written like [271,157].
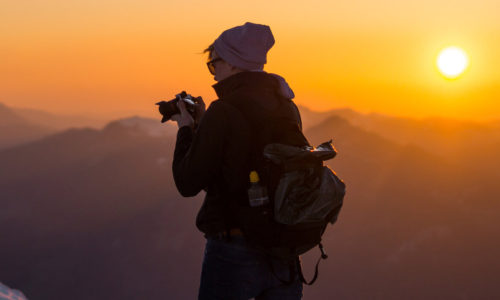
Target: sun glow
[452,62]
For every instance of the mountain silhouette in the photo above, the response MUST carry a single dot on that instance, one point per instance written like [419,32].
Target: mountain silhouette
[15,130]
[59,121]
[146,126]
[471,144]
[94,213]
[408,218]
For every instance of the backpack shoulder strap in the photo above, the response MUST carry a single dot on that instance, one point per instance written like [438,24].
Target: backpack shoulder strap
[297,114]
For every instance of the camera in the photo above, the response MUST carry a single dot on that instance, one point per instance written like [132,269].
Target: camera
[169,108]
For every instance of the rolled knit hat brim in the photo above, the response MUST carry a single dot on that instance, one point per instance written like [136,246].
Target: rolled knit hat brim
[234,58]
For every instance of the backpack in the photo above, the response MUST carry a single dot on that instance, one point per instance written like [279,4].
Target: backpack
[304,194]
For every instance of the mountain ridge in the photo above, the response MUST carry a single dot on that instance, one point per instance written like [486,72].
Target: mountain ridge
[101,204]
[15,130]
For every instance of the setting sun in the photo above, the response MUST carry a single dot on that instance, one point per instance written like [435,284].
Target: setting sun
[452,62]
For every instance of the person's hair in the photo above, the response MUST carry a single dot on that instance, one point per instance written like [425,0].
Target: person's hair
[210,49]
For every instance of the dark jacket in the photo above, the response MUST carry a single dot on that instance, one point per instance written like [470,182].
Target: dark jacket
[216,157]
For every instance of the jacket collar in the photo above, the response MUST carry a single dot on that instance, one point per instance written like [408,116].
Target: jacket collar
[253,79]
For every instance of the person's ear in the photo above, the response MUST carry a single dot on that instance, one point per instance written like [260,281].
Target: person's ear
[233,68]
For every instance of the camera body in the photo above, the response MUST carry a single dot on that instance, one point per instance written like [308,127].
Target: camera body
[169,108]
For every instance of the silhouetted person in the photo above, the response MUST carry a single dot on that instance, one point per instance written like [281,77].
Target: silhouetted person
[215,157]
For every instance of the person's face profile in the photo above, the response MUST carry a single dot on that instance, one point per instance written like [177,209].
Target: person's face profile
[218,67]
[211,64]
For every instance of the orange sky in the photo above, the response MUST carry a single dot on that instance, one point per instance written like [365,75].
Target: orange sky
[117,58]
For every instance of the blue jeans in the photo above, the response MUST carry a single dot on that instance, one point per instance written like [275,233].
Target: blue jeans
[234,270]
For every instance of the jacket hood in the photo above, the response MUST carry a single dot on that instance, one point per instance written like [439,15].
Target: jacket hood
[285,89]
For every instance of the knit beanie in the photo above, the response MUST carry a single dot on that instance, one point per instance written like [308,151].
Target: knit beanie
[245,46]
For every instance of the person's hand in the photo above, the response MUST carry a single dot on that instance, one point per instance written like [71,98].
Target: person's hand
[184,118]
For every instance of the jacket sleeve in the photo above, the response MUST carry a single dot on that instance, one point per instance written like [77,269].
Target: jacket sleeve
[198,155]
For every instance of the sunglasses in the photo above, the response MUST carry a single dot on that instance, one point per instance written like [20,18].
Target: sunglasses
[210,65]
